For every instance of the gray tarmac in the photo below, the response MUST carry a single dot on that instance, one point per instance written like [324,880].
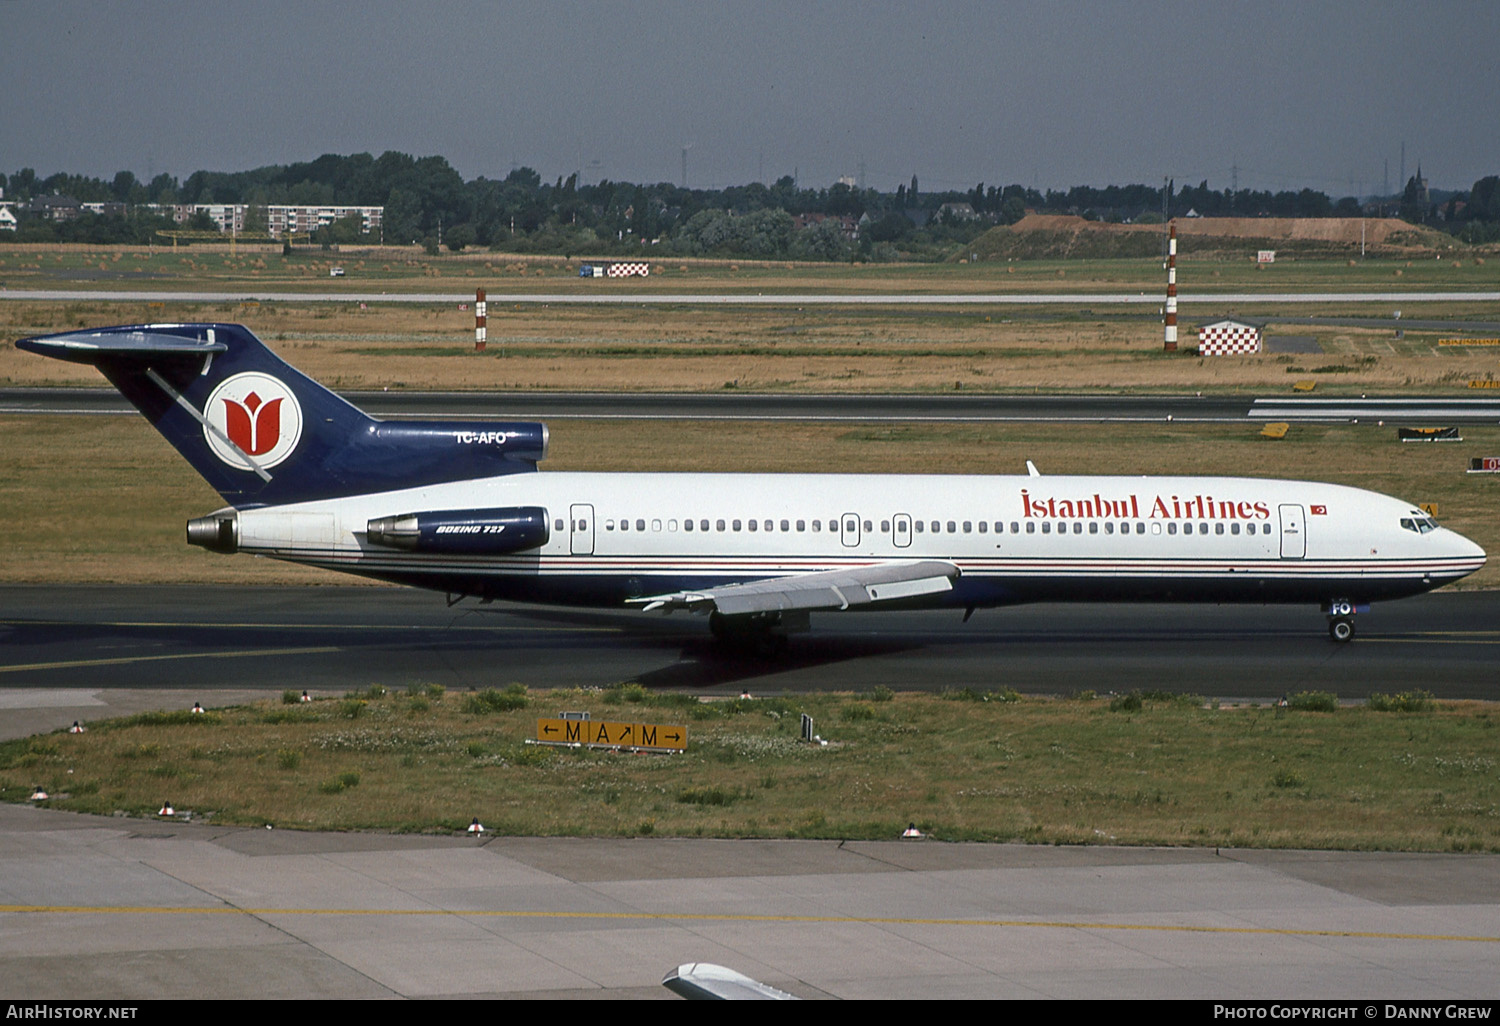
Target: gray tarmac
[199,640]
[107,908]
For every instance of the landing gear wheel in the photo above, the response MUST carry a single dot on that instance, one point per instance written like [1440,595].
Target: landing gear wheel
[757,636]
[1341,629]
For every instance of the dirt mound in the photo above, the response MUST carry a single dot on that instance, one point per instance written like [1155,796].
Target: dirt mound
[1050,236]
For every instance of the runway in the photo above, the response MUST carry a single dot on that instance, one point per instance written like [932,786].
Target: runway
[601,297]
[945,408]
[199,640]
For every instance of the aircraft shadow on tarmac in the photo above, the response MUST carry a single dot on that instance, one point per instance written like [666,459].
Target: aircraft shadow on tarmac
[703,662]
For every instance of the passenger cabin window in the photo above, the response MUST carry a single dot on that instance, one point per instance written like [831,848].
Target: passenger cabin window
[558,526]
[640,525]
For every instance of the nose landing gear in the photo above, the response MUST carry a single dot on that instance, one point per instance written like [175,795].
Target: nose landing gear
[1340,614]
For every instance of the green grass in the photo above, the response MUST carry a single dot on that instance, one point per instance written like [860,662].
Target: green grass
[1156,770]
[401,269]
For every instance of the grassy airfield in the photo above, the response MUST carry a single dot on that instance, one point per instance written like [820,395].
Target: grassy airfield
[1401,774]
[104,499]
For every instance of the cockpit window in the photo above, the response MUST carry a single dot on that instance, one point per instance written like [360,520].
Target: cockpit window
[1420,523]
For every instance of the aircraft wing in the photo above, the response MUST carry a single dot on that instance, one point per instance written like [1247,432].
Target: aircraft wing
[827,589]
[704,981]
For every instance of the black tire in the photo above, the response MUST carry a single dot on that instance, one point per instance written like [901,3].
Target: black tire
[1341,630]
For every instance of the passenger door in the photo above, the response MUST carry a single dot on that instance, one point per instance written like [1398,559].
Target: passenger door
[1293,534]
[581,530]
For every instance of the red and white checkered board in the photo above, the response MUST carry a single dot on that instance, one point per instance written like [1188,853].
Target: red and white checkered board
[625,270]
[1228,341]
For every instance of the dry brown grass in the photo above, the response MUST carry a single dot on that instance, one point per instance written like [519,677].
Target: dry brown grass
[815,349]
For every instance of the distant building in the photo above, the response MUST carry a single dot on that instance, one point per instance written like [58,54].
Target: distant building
[230,217]
[958,211]
[280,219]
[56,208]
[283,219]
[7,218]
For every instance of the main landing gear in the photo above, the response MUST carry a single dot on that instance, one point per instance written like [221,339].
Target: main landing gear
[763,635]
[1340,614]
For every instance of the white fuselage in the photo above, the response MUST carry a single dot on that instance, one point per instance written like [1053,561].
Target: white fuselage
[615,537]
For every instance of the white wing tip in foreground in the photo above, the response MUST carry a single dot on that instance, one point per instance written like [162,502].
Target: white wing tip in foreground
[704,981]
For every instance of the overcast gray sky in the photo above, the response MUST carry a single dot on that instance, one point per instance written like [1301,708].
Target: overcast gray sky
[1292,94]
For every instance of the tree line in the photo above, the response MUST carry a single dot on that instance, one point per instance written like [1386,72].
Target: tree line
[426,201]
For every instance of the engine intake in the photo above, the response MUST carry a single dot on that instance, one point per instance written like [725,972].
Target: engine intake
[462,531]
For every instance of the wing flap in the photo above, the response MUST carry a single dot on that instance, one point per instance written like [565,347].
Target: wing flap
[827,589]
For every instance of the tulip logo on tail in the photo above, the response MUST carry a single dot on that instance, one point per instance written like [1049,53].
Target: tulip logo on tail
[258,414]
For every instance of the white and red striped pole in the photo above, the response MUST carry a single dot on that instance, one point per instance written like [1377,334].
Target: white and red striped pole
[1170,342]
[480,321]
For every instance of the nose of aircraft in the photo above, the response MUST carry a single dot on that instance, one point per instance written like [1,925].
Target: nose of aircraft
[1463,548]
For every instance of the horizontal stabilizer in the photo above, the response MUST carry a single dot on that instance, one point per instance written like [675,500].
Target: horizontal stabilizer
[91,346]
[827,589]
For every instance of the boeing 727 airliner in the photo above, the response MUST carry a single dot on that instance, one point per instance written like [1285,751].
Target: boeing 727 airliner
[460,507]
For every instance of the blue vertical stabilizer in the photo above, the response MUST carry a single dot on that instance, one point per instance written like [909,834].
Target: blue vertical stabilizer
[263,433]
